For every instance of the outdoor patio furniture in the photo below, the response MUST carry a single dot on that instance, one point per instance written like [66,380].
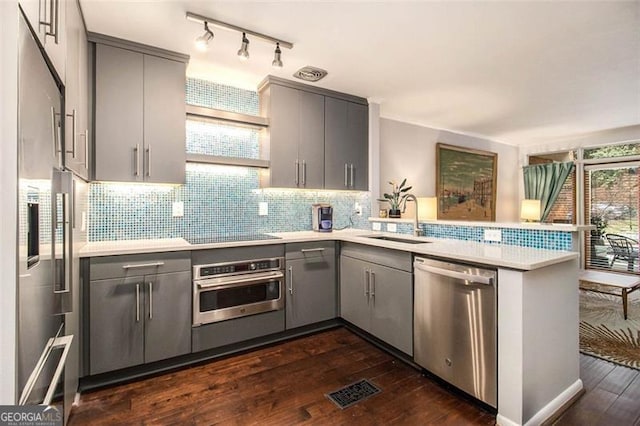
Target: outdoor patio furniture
[623,248]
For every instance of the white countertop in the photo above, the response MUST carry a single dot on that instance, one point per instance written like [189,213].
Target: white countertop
[534,226]
[506,256]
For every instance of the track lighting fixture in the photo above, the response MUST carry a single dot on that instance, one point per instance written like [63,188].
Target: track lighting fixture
[202,42]
[243,53]
[277,61]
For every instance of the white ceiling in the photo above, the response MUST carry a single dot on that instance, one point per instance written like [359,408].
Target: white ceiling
[517,72]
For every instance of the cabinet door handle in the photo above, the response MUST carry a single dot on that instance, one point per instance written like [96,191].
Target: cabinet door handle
[150,300]
[54,128]
[290,279]
[373,285]
[86,148]
[56,30]
[74,139]
[351,169]
[149,161]
[136,160]
[137,302]
[346,175]
[53,22]
[312,250]
[304,172]
[142,265]
[297,172]
[366,283]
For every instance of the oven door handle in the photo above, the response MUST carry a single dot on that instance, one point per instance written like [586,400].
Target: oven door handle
[274,276]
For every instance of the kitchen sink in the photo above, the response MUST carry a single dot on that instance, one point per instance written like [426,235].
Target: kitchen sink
[396,239]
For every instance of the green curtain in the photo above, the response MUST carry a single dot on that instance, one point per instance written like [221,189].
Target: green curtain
[543,182]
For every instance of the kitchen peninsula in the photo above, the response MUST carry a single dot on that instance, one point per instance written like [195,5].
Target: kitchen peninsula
[537,310]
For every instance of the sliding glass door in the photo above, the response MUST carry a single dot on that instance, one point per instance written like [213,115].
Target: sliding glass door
[611,204]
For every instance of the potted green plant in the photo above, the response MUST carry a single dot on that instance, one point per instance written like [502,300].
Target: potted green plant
[396,198]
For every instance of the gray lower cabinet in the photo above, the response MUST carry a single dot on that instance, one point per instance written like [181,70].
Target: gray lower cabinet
[378,298]
[141,315]
[140,116]
[311,283]
[346,145]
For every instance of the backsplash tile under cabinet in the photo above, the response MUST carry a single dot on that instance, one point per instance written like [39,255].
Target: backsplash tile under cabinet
[218,201]
[213,95]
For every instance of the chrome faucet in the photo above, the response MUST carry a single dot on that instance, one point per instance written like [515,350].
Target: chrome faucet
[417,232]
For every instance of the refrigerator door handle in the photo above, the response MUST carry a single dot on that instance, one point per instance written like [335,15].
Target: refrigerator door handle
[62,190]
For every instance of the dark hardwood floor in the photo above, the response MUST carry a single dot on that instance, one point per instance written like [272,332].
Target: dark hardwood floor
[286,384]
[612,396]
[281,385]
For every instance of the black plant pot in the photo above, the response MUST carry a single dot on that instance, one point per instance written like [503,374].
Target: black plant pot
[394,214]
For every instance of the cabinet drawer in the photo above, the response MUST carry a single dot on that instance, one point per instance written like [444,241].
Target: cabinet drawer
[310,250]
[236,330]
[138,264]
[382,256]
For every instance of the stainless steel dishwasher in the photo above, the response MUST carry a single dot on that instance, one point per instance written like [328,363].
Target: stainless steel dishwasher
[455,325]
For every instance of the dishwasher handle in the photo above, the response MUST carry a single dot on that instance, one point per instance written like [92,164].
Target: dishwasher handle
[476,279]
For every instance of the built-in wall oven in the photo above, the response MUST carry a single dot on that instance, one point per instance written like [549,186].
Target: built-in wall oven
[223,291]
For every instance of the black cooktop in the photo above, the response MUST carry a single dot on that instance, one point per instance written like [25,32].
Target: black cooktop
[230,238]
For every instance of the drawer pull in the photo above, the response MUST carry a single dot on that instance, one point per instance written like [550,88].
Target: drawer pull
[143,265]
[313,250]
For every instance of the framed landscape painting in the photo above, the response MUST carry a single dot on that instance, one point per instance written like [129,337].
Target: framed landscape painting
[465,183]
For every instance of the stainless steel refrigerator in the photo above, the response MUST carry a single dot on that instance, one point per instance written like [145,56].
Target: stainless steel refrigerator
[48,198]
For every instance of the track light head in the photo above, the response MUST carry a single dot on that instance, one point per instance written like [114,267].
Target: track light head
[243,53]
[277,60]
[202,42]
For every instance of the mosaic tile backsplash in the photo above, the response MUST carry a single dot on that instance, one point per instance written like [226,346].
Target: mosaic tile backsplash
[212,95]
[551,240]
[218,201]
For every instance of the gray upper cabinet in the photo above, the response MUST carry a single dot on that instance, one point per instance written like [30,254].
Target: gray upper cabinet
[376,293]
[76,132]
[346,145]
[296,137]
[313,133]
[48,20]
[164,120]
[311,283]
[119,114]
[140,116]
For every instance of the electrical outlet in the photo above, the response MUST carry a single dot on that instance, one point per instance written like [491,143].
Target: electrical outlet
[494,235]
[392,227]
[263,208]
[357,208]
[178,209]
[376,226]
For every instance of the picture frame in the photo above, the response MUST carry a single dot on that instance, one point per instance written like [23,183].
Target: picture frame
[466,183]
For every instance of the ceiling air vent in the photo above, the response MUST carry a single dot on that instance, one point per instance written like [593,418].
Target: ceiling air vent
[309,73]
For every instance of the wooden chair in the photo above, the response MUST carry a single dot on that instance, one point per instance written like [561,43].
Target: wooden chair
[623,248]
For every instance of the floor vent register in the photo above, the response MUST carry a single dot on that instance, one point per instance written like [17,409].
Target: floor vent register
[353,393]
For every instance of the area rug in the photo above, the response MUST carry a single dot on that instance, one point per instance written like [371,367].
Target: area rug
[604,333]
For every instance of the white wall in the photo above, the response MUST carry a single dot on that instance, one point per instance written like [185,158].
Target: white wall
[409,150]
[8,195]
